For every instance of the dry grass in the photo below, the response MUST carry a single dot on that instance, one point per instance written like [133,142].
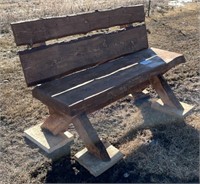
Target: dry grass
[158,148]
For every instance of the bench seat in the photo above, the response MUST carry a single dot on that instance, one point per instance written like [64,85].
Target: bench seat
[95,87]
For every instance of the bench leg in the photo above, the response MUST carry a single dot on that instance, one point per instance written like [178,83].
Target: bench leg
[57,122]
[96,157]
[169,104]
[164,91]
[89,136]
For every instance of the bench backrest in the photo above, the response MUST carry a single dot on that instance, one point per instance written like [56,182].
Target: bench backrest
[47,62]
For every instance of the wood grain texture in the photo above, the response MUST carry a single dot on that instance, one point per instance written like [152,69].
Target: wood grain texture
[89,136]
[36,31]
[49,62]
[57,122]
[100,85]
[165,92]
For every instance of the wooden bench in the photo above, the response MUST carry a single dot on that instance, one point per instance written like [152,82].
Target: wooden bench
[81,75]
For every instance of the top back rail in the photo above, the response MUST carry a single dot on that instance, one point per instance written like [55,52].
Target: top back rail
[38,31]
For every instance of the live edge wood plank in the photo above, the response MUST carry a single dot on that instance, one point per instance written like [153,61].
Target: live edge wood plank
[104,87]
[36,31]
[99,71]
[49,62]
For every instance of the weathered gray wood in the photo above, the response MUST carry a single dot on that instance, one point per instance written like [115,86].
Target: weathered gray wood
[165,92]
[41,30]
[105,83]
[89,136]
[48,62]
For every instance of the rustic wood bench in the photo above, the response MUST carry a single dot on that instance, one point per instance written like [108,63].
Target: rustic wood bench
[81,75]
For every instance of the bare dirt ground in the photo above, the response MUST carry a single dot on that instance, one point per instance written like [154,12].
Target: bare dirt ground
[157,148]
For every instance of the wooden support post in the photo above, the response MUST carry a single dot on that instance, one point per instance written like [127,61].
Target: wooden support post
[89,136]
[57,122]
[164,91]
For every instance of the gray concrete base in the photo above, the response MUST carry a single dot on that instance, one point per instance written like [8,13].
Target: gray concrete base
[52,146]
[96,166]
[158,105]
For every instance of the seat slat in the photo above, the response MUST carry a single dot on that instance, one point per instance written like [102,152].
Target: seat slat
[49,62]
[106,86]
[36,31]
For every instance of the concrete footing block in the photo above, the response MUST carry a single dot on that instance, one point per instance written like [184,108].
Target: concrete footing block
[96,166]
[159,105]
[51,146]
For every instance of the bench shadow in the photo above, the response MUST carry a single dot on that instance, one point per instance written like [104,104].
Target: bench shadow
[66,170]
